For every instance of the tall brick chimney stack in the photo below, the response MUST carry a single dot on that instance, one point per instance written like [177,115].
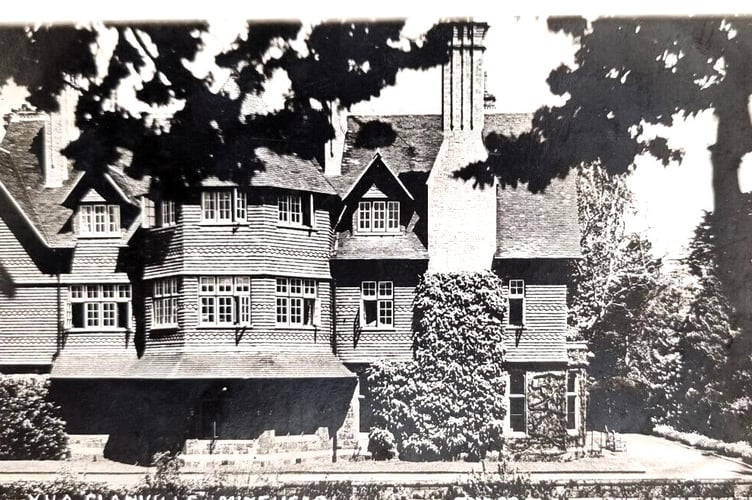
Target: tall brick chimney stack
[59,131]
[461,217]
[335,147]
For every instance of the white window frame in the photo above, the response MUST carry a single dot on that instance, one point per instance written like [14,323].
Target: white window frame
[382,293]
[515,395]
[292,209]
[575,394]
[100,306]
[516,291]
[377,217]
[167,213]
[99,219]
[165,303]
[296,303]
[224,206]
[224,301]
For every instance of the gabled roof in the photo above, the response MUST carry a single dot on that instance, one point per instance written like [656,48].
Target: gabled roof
[21,175]
[375,162]
[290,172]
[543,225]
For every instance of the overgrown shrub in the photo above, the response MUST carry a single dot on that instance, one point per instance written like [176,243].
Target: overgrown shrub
[381,444]
[30,423]
[449,401]
[740,449]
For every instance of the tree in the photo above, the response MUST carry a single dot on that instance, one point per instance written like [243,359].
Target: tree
[610,283]
[630,73]
[449,401]
[196,132]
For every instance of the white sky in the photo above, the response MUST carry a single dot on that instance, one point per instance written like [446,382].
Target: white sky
[521,53]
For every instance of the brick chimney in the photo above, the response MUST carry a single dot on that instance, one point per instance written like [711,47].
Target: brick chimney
[335,147]
[59,131]
[461,217]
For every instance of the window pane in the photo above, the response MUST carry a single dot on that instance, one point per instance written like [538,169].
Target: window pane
[517,383]
[281,310]
[113,219]
[224,203]
[224,284]
[571,408]
[76,291]
[108,291]
[309,288]
[224,310]
[385,312]
[77,315]
[515,311]
[379,215]
[517,414]
[309,310]
[283,208]
[571,377]
[207,284]
[92,314]
[392,218]
[516,287]
[207,309]
[208,205]
[364,216]
[385,289]
[368,289]
[240,206]
[244,310]
[296,286]
[296,310]
[282,286]
[124,291]
[92,292]
[296,209]
[243,284]
[369,312]
[108,314]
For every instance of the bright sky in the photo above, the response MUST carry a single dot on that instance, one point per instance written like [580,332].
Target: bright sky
[521,53]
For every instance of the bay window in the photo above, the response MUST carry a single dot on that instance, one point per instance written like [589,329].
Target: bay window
[165,302]
[295,209]
[224,300]
[296,302]
[223,206]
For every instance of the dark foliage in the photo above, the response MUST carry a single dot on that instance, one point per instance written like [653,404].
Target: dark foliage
[30,425]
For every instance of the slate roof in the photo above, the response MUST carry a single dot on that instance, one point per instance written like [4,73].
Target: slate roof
[535,345]
[529,225]
[544,225]
[21,174]
[200,365]
[290,172]
[404,246]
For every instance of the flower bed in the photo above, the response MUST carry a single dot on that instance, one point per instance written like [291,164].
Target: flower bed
[739,449]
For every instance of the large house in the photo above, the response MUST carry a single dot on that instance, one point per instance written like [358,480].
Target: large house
[247,314]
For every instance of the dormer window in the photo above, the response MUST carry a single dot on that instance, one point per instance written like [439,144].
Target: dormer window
[378,216]
[516,302]
[99,219]
[223,206]
[295,209]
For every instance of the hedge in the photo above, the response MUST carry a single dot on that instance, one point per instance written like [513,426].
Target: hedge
[30,423]
[739,449]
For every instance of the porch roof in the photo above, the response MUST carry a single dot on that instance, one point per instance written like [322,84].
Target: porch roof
[199,365]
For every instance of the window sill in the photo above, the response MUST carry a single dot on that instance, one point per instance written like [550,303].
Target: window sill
[298,227]
[221,224]
[99,236]
[158,229]
[517,434]
[224,327]
[96,330]
[378,328]
[297,327]
[573,432]
[377,233]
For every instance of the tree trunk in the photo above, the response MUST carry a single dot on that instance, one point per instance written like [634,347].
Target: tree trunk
[731,221]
